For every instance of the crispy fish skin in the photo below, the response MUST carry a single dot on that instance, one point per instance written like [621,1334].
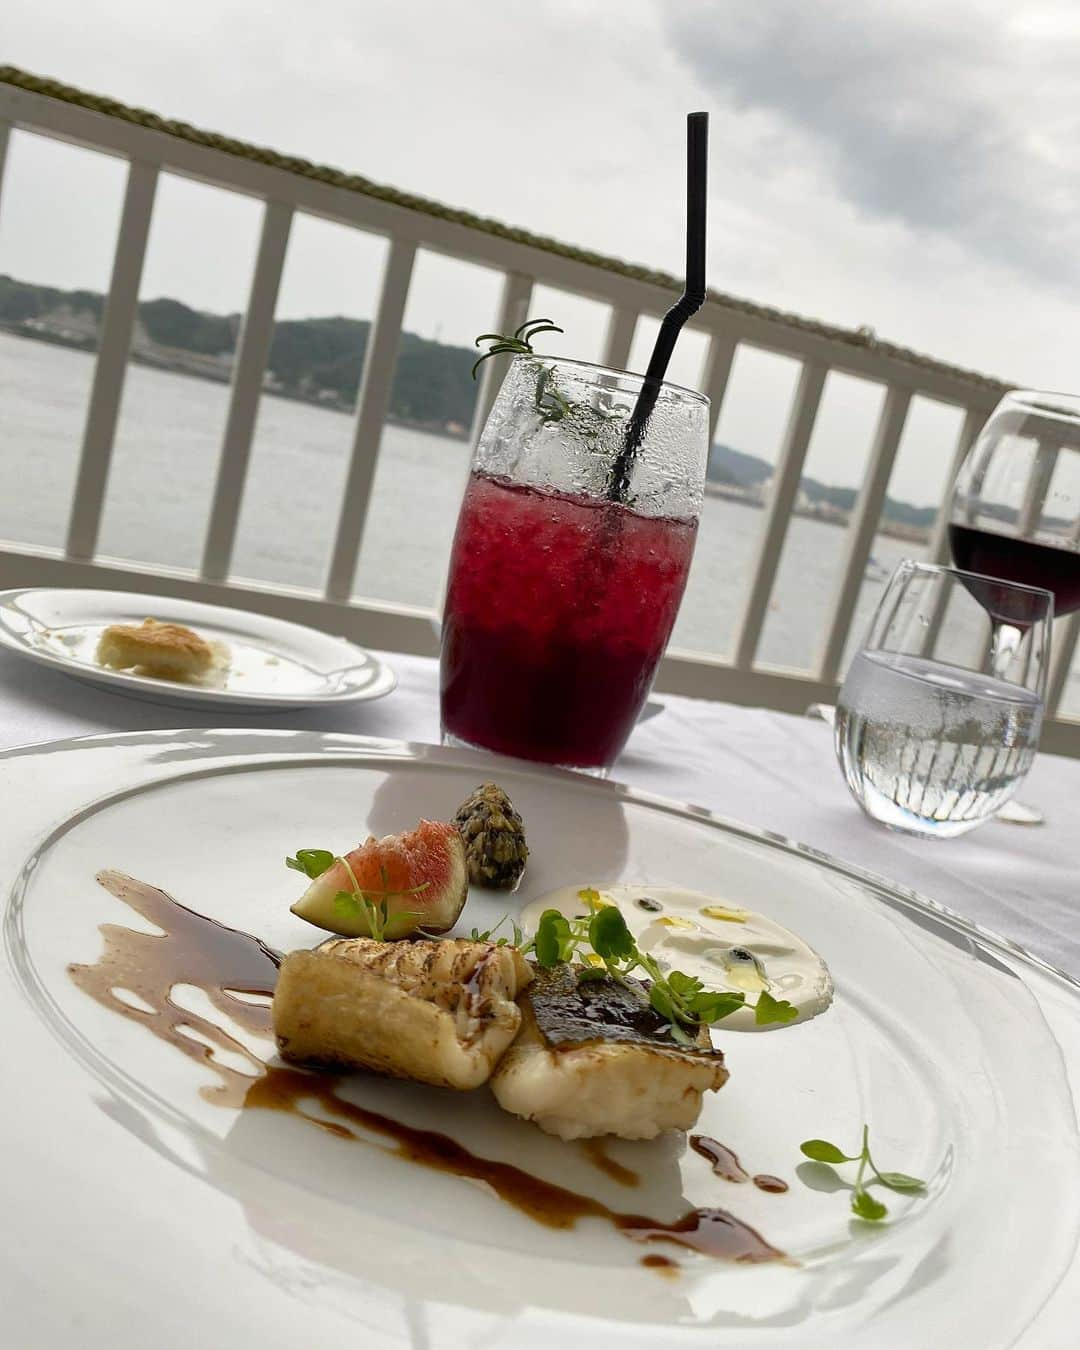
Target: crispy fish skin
[439,1012]
[580,1067]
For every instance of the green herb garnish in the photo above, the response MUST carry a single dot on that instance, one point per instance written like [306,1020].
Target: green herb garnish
[550,403]
[518,939]
[768,1009]
[313,862]
[519,344]
[371,905]
[863,1204]
[681,1000]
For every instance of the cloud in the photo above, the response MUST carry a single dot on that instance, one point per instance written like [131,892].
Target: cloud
[960,119]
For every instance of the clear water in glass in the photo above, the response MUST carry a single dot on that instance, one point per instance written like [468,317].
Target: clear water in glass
[930,747]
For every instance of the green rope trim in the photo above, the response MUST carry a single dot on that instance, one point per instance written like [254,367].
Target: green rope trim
[322,173]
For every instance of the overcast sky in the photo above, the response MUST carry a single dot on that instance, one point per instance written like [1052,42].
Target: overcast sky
[911,166]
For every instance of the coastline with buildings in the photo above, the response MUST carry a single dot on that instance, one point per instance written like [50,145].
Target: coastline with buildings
[319,361]
[757,497]
[79,331]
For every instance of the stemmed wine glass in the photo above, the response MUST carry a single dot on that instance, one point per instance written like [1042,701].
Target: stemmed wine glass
[1015,511]
[1016,504]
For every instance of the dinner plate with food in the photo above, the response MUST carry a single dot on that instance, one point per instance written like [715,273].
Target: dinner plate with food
[186,652]
[315,1038]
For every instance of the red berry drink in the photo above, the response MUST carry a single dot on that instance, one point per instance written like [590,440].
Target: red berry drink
[558,611]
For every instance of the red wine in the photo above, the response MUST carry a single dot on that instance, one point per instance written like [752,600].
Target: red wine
[1011,559]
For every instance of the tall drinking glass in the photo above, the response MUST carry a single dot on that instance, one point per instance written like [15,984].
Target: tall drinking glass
[562,591]
[936,744]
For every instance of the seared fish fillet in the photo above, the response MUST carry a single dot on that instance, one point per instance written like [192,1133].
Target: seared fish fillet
[440,1012]
[592,1058]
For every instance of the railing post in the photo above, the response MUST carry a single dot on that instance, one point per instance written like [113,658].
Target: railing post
[974,421]
[619,338]
[513,311]
[1038,484]
[718,363]
[252,353]
[372,404]
[1066,632]
[938,549]
[863,526]
[121,307]
[785,488]
[5,136]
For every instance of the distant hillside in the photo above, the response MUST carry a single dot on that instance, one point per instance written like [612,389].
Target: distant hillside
[735,466]
[318,359]
[321,359]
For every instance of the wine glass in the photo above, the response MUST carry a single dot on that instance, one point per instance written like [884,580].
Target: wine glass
[1015,509]
[1016,505]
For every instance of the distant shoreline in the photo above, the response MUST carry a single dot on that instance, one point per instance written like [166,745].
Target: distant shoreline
[177,366]
[757,501]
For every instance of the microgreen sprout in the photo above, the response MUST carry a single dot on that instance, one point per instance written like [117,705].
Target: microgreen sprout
[518,939]
[519,344]
[682,1000]
[357,902]
[313,862]
[863,1204]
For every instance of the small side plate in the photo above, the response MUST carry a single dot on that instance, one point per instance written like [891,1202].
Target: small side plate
[267,663]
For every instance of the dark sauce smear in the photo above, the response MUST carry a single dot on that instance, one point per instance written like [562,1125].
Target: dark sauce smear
[224,962]
[725,1163]
[663,1265]
[712,1231]
[598,1155]
[191,949]
[647,903]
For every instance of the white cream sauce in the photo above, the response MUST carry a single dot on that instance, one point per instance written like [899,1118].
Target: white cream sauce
[724,946]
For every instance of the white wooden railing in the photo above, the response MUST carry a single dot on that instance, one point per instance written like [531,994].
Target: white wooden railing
[285,188]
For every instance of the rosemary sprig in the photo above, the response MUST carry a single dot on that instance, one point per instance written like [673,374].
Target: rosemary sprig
[519,344]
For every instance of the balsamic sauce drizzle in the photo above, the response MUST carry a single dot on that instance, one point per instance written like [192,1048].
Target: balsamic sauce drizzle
[725,1163]
[598,1155]
[224,962]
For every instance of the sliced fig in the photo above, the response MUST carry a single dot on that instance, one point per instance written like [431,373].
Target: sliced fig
[413,880]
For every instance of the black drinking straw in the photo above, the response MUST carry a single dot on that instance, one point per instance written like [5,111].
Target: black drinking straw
[691,300]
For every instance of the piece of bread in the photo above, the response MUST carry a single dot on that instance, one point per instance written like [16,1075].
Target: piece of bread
[167,650]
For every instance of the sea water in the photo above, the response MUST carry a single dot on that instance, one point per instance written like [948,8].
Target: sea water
[932,748]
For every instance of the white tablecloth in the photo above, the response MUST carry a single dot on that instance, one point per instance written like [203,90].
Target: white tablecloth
[759,767]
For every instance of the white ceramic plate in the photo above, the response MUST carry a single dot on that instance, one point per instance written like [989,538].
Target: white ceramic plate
[272,664]
[139,1213]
